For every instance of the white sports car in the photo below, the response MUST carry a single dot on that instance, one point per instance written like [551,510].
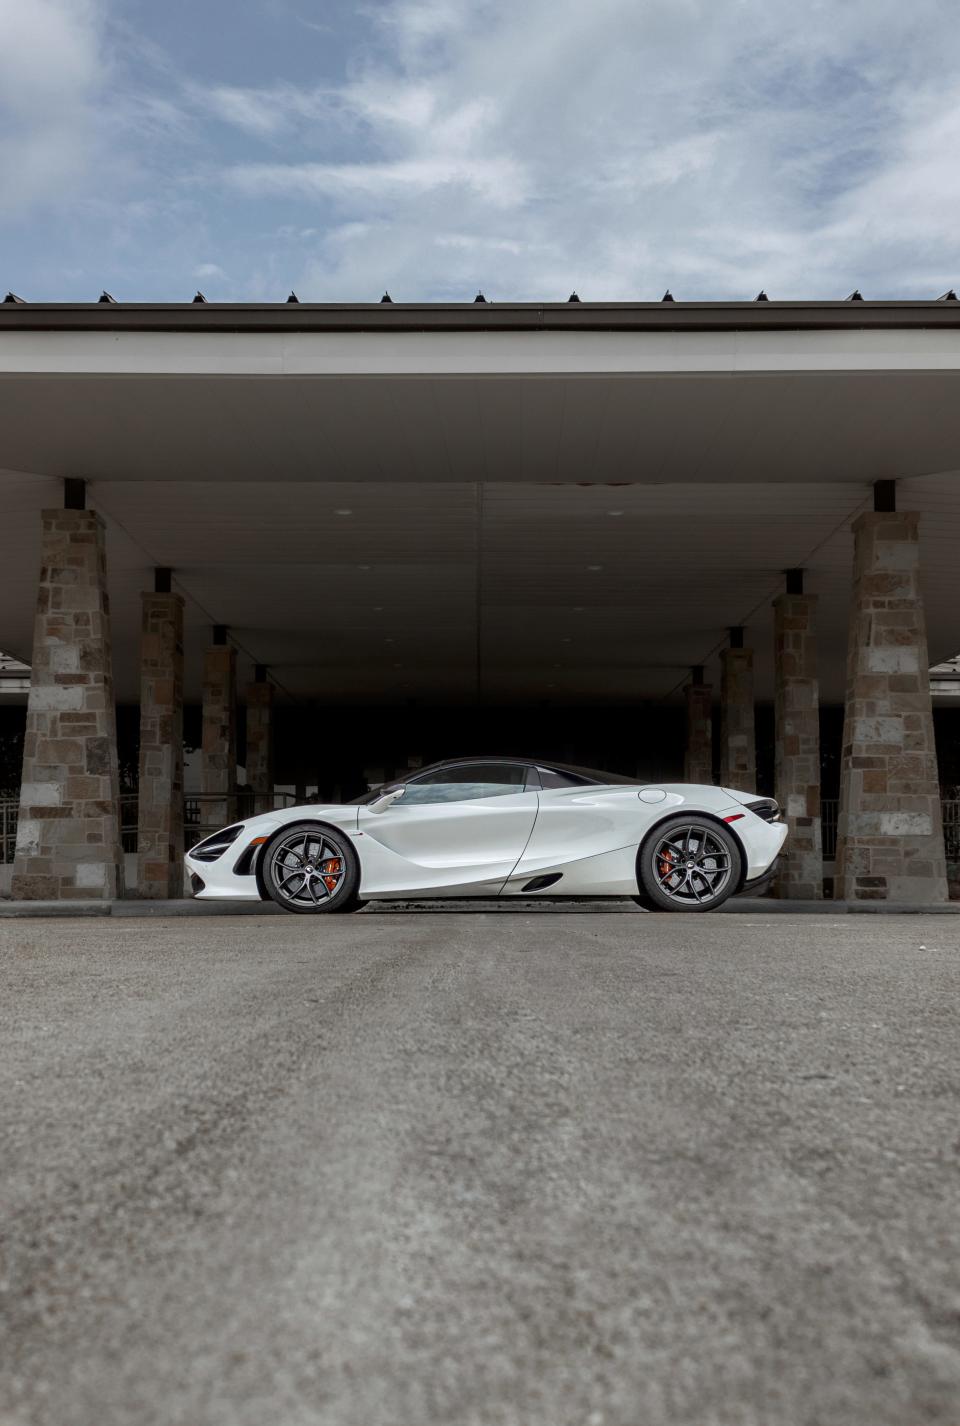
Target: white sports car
[491,827]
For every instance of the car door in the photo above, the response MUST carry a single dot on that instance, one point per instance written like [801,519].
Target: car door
[454,831]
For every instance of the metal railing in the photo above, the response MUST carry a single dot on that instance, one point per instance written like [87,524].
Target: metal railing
[949,810]
[198,821]
[9,810]
[196,824]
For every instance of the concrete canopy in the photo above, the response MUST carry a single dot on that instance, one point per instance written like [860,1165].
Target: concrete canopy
[396,503]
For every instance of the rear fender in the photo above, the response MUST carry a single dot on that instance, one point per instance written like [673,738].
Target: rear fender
[702,817]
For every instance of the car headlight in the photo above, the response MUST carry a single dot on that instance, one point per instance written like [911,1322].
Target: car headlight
[213,847]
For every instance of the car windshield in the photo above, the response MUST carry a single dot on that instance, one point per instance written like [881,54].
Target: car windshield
[569,772]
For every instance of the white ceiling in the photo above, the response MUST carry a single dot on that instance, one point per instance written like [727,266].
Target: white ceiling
[481,472]
[421,584]
[771,427]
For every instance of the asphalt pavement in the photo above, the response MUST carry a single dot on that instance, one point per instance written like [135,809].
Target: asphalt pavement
[480,1170]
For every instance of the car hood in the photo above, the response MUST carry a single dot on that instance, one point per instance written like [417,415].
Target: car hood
[341,814]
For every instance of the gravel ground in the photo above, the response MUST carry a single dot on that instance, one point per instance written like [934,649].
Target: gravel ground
[519,1170]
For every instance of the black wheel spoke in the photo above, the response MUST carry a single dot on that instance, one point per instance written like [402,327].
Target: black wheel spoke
[692,865]
[303,866]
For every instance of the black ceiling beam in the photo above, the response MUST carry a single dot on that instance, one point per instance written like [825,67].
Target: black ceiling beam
[74,494]
[471,316]
[885,497]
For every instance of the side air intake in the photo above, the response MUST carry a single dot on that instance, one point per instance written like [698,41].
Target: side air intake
[540,883]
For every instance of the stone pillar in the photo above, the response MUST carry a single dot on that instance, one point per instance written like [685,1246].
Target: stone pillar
[160,799]
[260,742]
[698,758]
[890,832]
[797,724]
[738,742]
[219,751]
[68,835]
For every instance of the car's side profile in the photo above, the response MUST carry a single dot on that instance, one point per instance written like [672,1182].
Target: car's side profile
[493,827]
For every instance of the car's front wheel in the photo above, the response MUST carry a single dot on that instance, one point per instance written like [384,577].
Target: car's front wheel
[309,867]
[688,864]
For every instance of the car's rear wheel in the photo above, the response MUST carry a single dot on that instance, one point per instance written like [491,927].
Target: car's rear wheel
[688,864]
[309,867]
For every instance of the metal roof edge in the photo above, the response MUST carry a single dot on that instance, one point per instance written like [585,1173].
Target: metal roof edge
[252,317]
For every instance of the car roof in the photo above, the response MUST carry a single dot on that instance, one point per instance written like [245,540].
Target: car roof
[593,774]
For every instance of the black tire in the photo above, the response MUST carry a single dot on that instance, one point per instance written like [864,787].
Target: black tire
[645,903]
[707,861]
[331,878]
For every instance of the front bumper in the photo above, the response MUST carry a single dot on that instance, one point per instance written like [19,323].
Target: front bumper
[211,880]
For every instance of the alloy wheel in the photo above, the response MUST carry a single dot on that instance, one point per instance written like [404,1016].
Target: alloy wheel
[307,867]
[691,864]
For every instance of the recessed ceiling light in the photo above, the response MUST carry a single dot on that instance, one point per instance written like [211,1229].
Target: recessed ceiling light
[388,641]
[614,512]
[398,665]
[363,566]
[578,609]
[378,609]
[564,641]
[593,568]
[343,512]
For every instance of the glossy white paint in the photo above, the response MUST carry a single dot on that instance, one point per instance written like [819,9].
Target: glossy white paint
[493,846]
[439,846]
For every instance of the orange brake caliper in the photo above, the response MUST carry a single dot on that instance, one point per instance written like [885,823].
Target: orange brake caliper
[329,869]
[666,863]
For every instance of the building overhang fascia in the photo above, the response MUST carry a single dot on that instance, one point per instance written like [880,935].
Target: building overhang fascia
[476,317]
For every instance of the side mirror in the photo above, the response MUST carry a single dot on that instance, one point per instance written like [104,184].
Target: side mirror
[388,796]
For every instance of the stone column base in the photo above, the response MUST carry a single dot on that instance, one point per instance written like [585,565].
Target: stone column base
[890,830]
[68,834]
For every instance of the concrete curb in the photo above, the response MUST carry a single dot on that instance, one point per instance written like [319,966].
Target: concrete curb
[746,905]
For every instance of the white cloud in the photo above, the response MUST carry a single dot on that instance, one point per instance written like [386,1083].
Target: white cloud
[620,148]
[495,181]
[262,113]
[51,70]
[616,147]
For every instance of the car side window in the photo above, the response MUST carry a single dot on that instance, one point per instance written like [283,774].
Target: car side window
[464,784]
[551,777]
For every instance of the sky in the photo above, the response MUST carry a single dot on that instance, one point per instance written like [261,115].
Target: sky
[434,148]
